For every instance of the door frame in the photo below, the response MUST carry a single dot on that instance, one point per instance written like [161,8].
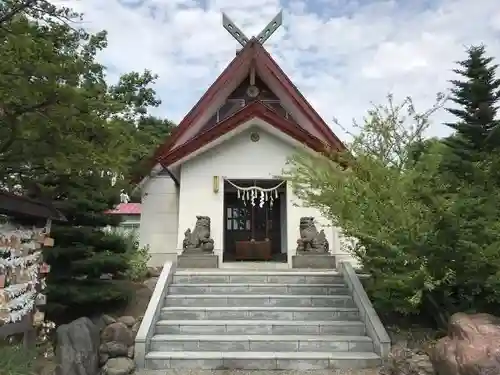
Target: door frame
[281,207]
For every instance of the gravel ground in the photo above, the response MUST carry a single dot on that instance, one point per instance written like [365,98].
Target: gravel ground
[258,372]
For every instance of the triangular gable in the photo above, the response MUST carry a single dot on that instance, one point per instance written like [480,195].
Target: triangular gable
[239,98]
[254,110]
[252,56]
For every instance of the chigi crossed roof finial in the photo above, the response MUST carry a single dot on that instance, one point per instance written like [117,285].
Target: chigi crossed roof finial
[263,35]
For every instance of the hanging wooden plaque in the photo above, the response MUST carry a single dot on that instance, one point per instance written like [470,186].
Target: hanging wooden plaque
[44,268]
[48,242]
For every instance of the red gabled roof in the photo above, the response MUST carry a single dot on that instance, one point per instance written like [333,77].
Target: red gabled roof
[252,53]
[126,209]
[244,56]
[254,110]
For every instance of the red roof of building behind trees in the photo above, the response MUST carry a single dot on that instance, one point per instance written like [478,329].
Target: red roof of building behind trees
[126,209]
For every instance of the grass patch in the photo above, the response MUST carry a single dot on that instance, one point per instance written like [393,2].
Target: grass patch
[15,360]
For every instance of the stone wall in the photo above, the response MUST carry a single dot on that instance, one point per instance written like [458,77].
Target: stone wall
[116,352]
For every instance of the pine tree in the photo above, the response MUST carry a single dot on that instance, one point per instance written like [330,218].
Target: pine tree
[476,97]
[86,262]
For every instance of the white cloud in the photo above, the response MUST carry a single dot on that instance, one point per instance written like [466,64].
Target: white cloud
[341,54]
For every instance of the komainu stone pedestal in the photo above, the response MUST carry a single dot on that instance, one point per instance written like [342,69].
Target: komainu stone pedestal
[314,261]
[312,247]
[198,247]
[190,260]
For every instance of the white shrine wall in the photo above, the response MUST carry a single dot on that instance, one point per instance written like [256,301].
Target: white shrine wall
[240,158]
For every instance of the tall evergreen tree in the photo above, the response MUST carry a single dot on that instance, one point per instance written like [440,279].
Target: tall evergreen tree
[86,262]
[476,97]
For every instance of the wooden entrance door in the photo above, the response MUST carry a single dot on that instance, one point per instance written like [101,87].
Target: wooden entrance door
[244,222]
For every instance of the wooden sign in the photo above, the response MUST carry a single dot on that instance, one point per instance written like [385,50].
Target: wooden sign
[22,275]
[41,300]
[44,268]
[38,318]
[4,315]
[21,240]
[48,242]
[40,238]
[15,242]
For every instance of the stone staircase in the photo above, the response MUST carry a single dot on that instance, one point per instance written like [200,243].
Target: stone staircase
[246,319]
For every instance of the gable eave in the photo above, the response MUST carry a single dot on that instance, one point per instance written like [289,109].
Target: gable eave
[239,62]
[265,62]
[253,110]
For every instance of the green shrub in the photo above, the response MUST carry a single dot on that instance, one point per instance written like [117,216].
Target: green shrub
[138,264]
[428,238]
[137,257]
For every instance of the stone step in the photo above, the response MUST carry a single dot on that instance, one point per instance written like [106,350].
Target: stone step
[260,313]
[241,300]
[257,277]
[233,288]
[157,360]
[261,327]
[261,343]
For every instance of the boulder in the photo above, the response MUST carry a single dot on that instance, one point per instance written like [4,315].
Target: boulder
[107,319]
[117,332]
[118,366]
[114,349]
[472,346]
[77,348]
[102,321]
[135,329]
[129,321]
[103,358]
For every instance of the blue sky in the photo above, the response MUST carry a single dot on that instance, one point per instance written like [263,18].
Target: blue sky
[342,54]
